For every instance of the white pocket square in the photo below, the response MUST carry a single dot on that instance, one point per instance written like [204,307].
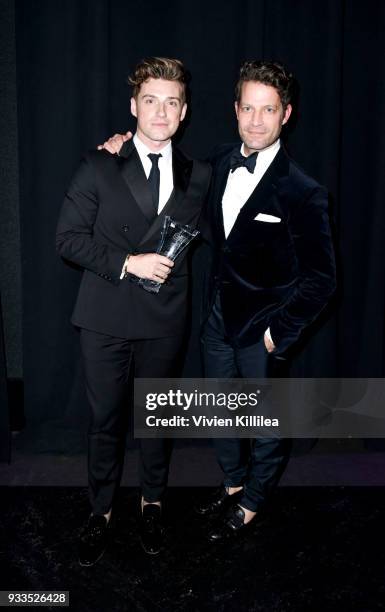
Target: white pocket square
[267,218]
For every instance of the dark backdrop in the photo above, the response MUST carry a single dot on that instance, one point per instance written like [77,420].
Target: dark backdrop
[72,60]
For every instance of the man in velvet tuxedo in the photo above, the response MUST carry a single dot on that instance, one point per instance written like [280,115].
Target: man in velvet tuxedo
[110,224]
[273,271]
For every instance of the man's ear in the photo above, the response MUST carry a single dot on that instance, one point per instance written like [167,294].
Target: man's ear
[236,108]
[183,112]
[287,114]
[133,107]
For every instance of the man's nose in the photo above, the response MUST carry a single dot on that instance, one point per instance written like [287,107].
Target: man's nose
[256,117]
[162,109]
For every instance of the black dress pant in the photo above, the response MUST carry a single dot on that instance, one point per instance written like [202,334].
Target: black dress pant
[254,464]
[110,366]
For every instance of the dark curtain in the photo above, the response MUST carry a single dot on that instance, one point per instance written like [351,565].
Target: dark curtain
[73,57]
[5,433]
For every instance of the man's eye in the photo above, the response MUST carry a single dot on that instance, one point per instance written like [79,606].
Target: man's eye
[149,101]
[246,109]
[270,109]
[173,103]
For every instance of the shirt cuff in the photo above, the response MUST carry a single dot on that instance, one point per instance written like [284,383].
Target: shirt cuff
[124,272]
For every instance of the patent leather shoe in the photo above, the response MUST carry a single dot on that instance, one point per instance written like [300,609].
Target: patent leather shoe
[218,500]
[93,540]
[151,529]
[233,524]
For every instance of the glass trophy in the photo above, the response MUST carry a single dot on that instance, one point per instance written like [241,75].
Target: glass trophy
[174,239]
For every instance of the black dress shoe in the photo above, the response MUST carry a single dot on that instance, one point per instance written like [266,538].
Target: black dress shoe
[151,529]
[93,540]
[233,524]
[218,500]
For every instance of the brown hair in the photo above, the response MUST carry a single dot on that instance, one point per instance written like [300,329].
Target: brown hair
[158,68]
[268,73]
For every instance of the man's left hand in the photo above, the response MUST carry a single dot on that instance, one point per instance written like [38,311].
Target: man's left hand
[115,143]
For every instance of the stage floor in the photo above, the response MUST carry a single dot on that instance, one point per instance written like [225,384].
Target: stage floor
[322,548]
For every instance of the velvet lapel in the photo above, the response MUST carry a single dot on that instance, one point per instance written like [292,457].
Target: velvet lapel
[182,168]
[135,178]
[259,200]
[219,185]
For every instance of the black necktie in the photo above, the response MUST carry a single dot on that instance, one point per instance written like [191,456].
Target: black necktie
[154,179]
[238,160]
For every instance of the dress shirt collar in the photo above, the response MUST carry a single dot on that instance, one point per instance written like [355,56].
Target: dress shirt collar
[267,155]
[143,150]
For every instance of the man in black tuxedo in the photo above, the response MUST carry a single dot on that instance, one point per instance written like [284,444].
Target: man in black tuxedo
[273,271]
[110,224]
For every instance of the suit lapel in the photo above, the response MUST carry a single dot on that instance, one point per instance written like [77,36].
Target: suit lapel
[219,186]
[135,178]
[259,199]
[181,169]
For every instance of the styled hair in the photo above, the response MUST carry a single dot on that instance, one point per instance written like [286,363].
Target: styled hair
[268,73]
[158,68]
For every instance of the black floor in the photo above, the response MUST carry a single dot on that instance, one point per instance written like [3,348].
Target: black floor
[323,548]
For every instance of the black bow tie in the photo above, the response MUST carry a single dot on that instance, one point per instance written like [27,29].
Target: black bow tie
[238,160]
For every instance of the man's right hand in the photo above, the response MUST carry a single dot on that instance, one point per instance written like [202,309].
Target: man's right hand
[150,265]
[115,143]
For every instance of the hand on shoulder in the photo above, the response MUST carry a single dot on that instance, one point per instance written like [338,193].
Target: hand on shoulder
[115,143]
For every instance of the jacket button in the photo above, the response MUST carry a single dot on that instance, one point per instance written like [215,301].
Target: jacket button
[225,249]
[125,228]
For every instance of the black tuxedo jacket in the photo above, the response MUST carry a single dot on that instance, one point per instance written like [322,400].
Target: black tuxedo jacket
[106,214]
[278,274]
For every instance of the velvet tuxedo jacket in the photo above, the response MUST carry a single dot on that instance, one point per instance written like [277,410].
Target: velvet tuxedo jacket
[106,214]
[276,268]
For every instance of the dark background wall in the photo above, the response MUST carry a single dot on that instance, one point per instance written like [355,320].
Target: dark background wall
[72,59]
[10,264]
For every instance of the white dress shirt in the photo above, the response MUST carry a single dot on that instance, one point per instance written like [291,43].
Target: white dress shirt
[165,168]
[241,184]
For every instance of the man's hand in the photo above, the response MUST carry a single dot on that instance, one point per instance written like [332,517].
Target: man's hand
[150,265]
[115,143]
[269,344]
